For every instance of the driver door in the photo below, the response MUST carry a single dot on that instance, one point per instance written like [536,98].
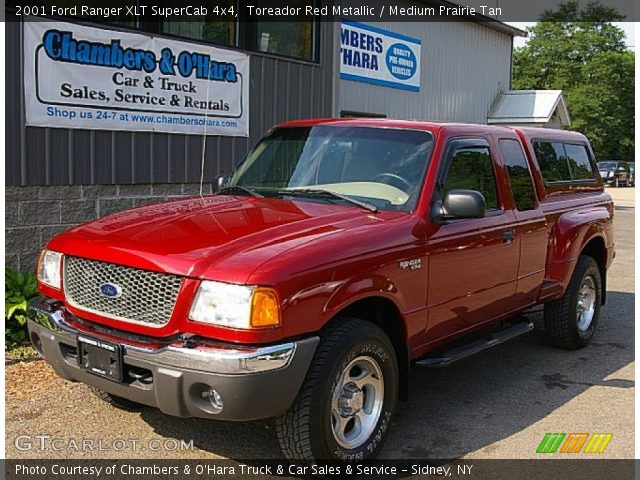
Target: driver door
[473,263]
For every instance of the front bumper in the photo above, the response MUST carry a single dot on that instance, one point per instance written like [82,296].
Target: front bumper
[176,376]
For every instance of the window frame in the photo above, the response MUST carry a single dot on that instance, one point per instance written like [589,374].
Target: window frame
[529,170]
[572,181]
[157,27]
[469,141]
[591,162]
[248,38]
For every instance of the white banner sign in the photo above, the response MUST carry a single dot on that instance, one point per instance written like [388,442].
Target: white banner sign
[380,57]
[94,78]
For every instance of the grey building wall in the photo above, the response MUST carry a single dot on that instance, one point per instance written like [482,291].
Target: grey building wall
[58,178]
[464,66]
[34,214]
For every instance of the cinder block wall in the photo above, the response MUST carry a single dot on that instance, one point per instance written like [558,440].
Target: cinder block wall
[35,214]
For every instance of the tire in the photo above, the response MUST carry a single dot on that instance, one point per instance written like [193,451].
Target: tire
[571,321]
[329,402]
[118,402]
[539,332]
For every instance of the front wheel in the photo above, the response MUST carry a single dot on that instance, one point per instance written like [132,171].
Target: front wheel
[344,407]
[571,321]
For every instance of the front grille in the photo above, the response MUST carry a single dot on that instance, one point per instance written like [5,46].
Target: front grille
[138,296]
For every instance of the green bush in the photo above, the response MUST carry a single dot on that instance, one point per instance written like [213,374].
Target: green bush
[19,288]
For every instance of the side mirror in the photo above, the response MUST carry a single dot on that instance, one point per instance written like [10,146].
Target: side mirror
[462,204]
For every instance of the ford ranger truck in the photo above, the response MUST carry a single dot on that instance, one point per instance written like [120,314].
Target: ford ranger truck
[336,256]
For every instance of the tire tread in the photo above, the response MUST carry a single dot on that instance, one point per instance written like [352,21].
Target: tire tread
[292,428]
[559,314]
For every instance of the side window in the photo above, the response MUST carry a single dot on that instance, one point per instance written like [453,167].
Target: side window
[522,187]
[552,160]
[579,161]
[470,167]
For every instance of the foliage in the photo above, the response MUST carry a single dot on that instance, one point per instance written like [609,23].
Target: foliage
[19,288]
[582,53]
[20,353]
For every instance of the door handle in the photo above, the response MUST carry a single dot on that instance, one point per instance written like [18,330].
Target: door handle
[508,236]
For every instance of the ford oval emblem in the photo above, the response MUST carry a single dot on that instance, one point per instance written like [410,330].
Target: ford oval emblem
[111,290]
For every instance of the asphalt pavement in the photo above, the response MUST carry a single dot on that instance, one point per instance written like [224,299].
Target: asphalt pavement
[496,405]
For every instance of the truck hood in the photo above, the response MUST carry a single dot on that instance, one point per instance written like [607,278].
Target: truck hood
[215,237]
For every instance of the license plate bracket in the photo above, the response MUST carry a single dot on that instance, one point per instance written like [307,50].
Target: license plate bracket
[100,358]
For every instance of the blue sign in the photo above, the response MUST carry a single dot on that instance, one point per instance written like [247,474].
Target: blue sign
[401,61]
[379,57]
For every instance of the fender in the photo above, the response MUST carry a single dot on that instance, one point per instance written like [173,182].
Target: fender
[571,233]
[360,288]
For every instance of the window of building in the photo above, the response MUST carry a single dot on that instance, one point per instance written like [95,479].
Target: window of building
[471,168]
[354,114]
[553,161]
[524,193]
[294,39]
[291,39]
[579,162]
[213,27]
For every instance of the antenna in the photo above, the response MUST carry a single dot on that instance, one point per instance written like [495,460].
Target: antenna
[204,132]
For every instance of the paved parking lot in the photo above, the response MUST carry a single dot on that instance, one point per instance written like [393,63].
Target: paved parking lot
[498,404]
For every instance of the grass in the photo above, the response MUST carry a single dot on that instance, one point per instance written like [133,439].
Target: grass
[20,352]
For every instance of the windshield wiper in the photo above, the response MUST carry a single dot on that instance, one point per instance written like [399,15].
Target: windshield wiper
[237,189]
[316,192]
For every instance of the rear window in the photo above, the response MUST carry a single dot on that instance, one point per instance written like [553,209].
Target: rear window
[553,161]
[579,162]
[563,162]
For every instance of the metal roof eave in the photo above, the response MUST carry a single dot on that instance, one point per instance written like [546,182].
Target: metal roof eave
[559,109]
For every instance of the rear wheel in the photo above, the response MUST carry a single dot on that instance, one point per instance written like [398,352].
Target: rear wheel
[344,407]
[571,321]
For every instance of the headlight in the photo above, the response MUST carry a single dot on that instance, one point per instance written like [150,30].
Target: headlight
[49,267]
[235,306]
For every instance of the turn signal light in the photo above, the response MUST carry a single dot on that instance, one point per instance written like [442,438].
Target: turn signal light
[265,308]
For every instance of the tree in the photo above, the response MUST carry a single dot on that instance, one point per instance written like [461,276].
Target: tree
[582,53]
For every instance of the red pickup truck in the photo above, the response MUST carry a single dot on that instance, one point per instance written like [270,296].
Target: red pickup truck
[337,255]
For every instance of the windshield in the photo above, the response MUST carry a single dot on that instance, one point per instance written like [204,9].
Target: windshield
[383,167]
[607,165]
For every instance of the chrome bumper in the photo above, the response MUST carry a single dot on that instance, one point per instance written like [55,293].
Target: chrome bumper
[180,368]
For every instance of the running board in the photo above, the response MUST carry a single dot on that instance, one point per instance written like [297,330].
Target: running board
[477,345]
